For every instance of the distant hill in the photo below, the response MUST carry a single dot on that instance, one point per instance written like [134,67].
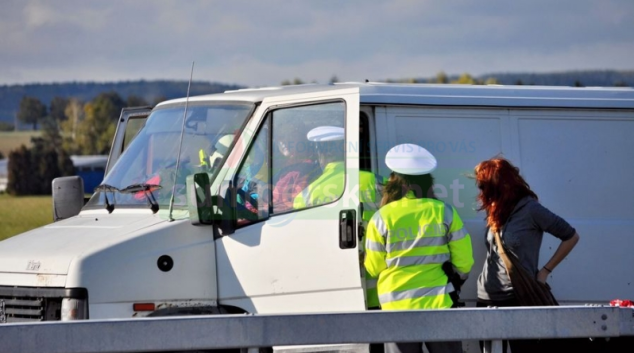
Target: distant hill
[10,95]
[598,78]
[588,78]
[151,91]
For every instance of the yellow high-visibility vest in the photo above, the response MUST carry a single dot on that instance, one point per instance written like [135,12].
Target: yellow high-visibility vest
[407,241]
[329,187]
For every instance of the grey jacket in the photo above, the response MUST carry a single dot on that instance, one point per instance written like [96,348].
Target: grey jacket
[522,235]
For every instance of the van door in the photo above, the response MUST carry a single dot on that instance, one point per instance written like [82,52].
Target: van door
[130,122]
[295,248]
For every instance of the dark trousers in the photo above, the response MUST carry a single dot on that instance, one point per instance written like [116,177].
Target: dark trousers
[417,347]
[376,347]
[536,345]
[517,346]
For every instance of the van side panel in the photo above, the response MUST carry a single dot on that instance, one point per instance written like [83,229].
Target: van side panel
[581,165]
[579,162]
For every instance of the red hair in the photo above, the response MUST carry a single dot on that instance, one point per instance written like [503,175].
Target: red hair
[501,187]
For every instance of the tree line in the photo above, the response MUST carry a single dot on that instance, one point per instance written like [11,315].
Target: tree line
[151,91]
[69,127]
[595,78]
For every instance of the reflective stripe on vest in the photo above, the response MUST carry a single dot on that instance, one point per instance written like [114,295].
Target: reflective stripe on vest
[457,235]
[420,242]
[374,246]
[415,293]
[371,283]
[417,260]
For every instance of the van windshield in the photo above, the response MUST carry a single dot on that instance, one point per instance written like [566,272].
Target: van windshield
[145,173]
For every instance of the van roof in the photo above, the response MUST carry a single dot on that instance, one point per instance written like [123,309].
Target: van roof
[447,94]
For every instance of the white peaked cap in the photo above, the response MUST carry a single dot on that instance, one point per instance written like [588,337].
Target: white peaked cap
[410,159]
[326,133]
[223,143]
[222,146]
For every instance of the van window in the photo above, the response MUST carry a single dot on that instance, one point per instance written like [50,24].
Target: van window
[365,162]
[302,173]
[306,173]
[253,180]
[166,150]
[132,128]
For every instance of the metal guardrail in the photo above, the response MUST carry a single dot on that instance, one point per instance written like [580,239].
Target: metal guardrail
[240,331]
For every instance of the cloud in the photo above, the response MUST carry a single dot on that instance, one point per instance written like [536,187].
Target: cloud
[258,43]
[38,14]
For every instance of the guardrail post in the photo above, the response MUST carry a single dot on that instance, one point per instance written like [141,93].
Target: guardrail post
[493,346]
[3,317]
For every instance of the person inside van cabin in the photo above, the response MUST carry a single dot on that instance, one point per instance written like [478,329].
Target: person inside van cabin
[514,212]
[220,150]
[329,142]
[294,163]
[246,181]
[329,186]
[409,239]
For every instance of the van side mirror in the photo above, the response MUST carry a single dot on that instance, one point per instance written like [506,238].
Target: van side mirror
[228,205]
[199,199]
[207,209]
[68,197]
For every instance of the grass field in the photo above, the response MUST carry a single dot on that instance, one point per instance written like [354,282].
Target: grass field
[19,214]
[10,140]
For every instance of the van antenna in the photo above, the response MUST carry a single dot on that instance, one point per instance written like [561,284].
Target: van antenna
[180,144]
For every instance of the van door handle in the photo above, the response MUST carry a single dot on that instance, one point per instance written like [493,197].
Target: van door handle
[347,229]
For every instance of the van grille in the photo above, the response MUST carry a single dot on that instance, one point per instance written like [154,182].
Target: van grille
[23,304]
[25,309]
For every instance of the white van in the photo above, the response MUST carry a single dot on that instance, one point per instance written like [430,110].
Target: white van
[188,219]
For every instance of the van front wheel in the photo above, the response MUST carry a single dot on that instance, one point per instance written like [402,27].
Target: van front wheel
[206,310]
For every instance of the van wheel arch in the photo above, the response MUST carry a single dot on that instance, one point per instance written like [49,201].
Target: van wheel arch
[208,310]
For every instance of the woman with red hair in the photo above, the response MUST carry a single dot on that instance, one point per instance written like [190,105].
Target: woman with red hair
[514,213]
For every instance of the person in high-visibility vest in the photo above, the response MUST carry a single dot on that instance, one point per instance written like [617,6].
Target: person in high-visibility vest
[330,185]
[220,149]
[409,239]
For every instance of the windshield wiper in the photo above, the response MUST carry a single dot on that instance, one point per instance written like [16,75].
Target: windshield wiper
[105,188]
[146,189]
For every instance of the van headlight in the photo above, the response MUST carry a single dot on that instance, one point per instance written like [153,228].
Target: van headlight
[74,309]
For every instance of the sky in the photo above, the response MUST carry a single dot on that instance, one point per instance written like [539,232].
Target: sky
[262,43]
